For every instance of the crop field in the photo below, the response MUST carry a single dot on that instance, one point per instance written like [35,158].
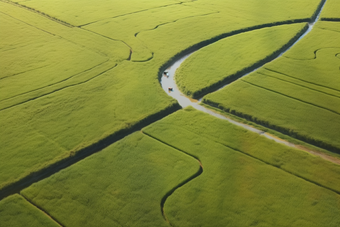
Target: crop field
[297,94]
[16,211]
[245,177]
[120,186]
[89,137]
[331,11]
[244,52]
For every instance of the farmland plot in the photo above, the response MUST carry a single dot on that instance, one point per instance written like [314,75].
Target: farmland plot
[246,178]
[115,91]
[59,110]
[331,11]
[297,94]
[120,186]
[16,211]
[229,58]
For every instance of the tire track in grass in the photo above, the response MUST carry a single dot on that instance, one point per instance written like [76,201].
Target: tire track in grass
[39,12]
[135,12]
[306,81]
[19,73]
[170,192]
[49,85]
[291,97]
[59,89]
[315,54]
[41,210]
[68,40]
[300,85]
[159,25]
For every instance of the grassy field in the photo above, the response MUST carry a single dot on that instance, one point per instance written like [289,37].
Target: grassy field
[297,94]
[78,75]
[122,185]
[331,11]
[229,58]
[247,179]
[16,211]
[54,104]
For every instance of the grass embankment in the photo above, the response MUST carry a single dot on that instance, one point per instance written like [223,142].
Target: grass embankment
[228,59]
[121,186]
[247,178]
[297,97]
[331,11]
[16,211]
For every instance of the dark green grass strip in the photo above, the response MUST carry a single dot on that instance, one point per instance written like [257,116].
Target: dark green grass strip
[298,85]
[42,210]
[46,172]
[169,193]
[330,19]
[291,97]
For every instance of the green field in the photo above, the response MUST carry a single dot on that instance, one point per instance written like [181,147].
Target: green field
[247,179]
[229,58]
[297,94]
[331,11]
[79,80]
[16,211]
[120,186]
[54,104]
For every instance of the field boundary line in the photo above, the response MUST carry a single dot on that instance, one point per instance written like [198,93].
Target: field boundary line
[284,170]
[306,81]
[139,11]
[55,83]
[41,210]
[58,89]
[300,85]
[38,12]
[291,97]
[315,53]
[195,175]
[82,153]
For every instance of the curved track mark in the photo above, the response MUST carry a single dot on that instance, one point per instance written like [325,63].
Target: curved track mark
[315,54]
[170,192]
[59,89]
